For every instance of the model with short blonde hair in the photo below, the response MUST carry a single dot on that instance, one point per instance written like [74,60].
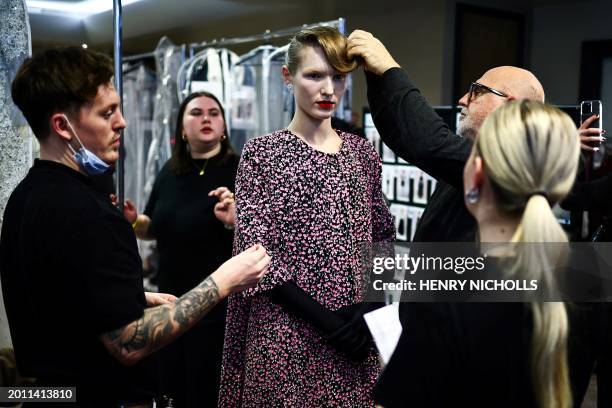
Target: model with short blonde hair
[313,194]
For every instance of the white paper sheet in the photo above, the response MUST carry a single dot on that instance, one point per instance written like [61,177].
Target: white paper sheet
[385,326]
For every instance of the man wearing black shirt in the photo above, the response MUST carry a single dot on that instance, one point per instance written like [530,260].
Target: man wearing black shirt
[70,269]
[412,129]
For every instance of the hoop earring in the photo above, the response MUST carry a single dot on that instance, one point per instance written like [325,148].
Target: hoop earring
[472,195]
[223,137]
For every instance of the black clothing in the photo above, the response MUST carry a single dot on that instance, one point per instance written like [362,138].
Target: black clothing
[596,196]
[414,131]
[296,301]
[345,329]
[590,195]
[591,323]
[590,350]
[192,243]
[460,355]
[70,272]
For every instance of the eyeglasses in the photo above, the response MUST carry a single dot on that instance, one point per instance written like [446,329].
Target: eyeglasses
[477,89]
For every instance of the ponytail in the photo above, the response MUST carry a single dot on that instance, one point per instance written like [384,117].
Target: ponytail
[530,151]
[549,366]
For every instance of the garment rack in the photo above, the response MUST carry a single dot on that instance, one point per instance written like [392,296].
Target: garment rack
[267,35]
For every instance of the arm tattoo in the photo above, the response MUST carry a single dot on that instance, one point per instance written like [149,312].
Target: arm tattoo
[162,324]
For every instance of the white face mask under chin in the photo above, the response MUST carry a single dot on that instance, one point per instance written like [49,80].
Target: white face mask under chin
[89,162]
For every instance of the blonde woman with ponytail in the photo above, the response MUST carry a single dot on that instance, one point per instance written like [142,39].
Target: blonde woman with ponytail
[523,161]
[502,355]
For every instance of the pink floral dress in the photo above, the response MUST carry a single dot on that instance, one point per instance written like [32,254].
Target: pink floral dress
[312,211]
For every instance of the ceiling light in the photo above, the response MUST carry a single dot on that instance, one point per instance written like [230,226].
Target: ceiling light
[81,9]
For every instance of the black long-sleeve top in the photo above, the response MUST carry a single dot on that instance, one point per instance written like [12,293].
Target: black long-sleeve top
[590,195]
[413,130]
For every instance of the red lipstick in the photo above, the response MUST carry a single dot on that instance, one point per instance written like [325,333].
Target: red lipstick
[326,104]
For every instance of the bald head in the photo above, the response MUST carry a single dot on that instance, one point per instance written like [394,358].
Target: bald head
[516,82]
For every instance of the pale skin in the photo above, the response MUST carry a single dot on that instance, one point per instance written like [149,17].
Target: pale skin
[515,82]
[98,125]
[203,130]
[494,225]
[317,88]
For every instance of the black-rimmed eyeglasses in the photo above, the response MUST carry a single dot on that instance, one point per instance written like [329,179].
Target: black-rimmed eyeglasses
[477,89]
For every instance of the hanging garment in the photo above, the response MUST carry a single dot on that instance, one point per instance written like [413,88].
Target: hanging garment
[168,59]
[247,97]
[263,102]
[139,90]
[210,71]
[280,104]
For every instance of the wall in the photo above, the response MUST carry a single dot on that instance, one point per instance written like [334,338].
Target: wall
[558,32]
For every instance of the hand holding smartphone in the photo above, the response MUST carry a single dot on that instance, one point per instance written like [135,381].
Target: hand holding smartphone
[592,134]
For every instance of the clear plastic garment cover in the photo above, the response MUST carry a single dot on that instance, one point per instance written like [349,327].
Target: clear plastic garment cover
[168,59]
[262,103]
[139,92]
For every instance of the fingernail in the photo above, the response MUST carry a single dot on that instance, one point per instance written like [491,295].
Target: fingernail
[603,131]
[603,139]
[596,149]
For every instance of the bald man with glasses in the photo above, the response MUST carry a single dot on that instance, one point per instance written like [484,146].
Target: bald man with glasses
[413,130]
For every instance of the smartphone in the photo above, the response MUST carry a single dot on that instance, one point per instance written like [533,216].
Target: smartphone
[588,109]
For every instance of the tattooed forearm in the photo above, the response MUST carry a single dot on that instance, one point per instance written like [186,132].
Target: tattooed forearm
[162,324]
[197,302]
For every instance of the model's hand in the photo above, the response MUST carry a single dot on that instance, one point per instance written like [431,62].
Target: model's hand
[156,299]
[225,209]
[375,56]
[129,211]
[242,271]
[590,135]
[353,338]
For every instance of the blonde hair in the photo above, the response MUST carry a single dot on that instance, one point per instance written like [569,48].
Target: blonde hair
[331,41]
[530,152]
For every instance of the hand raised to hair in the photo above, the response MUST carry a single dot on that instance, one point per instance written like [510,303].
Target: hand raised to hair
[374,54]
[590,135]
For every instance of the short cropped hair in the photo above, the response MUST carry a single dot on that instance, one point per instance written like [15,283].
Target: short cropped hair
[331,41]
[56,80]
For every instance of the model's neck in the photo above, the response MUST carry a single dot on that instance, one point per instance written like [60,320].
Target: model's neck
[315,132]
[206,153]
